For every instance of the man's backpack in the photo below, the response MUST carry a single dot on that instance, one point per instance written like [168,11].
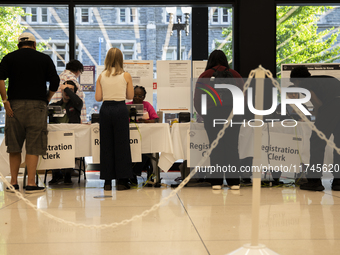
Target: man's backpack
[223,77]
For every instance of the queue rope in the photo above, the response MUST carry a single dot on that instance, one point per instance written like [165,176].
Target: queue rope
[182,184]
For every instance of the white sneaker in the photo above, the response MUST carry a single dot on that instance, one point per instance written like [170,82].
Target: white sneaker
[234,187]
[217,187]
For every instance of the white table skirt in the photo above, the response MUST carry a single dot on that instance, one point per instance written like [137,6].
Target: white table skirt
[179,133]
[155,138]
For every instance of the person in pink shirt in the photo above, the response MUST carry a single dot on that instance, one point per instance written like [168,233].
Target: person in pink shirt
[151,116]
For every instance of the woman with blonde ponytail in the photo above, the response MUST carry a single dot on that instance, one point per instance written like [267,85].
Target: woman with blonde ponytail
[113,87]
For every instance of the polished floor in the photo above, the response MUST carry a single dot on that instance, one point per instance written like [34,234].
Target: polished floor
[196,221]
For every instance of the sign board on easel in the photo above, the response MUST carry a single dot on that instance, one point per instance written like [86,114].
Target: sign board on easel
[135,145]
[60,151]
[95,143]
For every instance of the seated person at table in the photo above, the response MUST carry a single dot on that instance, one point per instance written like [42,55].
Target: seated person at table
[71,105]
[150,115]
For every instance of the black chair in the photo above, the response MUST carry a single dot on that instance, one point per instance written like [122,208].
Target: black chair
[81,168]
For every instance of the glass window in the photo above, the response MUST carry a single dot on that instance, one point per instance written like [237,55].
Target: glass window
[225,16]
[220,31]
[128,46]
[61,60]
[141,33]
[133,15]
[36,14]
[179,15]
[53,39]
[34,17]
[171,53]
[128,56]
[306,34]
[122,15]
[44,15]
[85,15]
[60,47]
[23,17]
[219,15]
[128,15]
[215,15]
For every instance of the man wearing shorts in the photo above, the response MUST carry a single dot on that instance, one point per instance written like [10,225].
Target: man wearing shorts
[26,105]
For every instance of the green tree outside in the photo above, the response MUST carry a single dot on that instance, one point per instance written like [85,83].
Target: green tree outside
[299,39]
[10,30]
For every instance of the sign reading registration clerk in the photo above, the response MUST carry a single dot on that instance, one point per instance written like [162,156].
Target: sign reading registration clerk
[60,151]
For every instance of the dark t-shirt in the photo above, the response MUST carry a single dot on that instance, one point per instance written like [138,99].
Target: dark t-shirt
[28,71]
[325,87]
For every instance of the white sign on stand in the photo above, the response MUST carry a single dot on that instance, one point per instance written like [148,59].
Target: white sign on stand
[95,144]
[283,152]
[332,69]
[60,151]
[173,85]
[135,144]
[197,147]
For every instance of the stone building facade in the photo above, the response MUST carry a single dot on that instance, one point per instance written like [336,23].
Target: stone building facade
[141,33]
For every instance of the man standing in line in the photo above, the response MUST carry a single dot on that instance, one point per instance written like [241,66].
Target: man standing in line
[74,69]
[26,105]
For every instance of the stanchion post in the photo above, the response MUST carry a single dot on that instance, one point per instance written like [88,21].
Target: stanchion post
[254,247]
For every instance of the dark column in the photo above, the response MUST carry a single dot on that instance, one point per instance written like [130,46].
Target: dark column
[72,30]
[199,28]
[254,35]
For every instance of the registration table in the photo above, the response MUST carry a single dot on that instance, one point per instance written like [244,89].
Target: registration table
[155,138]
[280,145]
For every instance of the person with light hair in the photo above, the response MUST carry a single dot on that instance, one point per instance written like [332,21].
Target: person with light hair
[113,86]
